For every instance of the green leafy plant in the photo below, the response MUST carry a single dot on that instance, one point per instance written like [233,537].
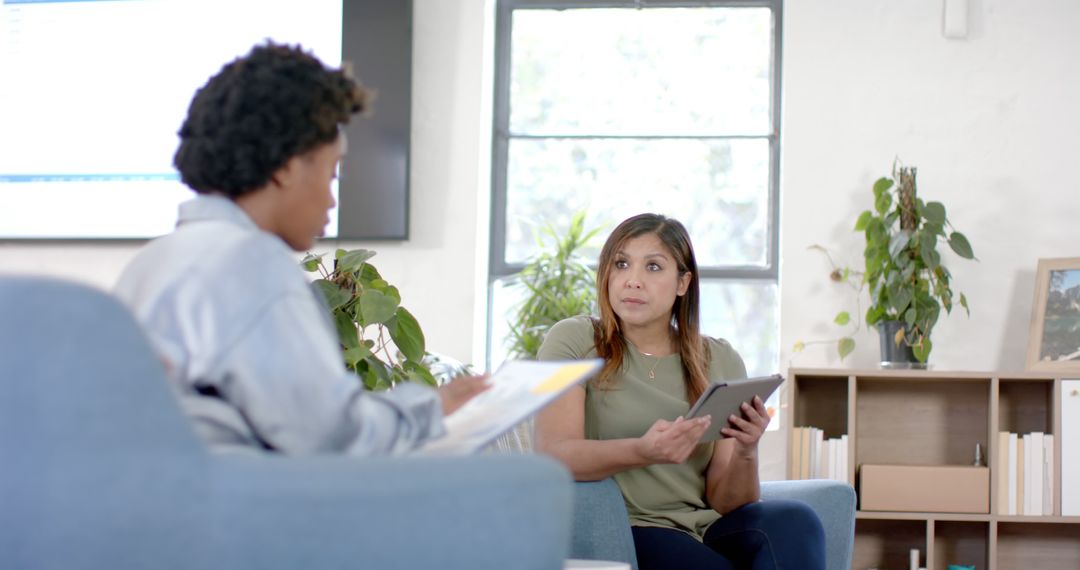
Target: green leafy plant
[903,272]
[559,284]
[368,315]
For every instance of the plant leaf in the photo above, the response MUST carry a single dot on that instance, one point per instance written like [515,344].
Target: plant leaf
[936,229]
[960,245]
[346,330]
[368,273]
[864,218]
[928,251]
[882,203]
[874,314]
[350,261]
[909,316]
[881,186]
[898,337]
[420,374]
[406,333]
[901,299]
[311,262]
[845,346]
[934,212]
[354,355]
[898,243]
[332,293]
[376,307]
[922,349]
[842,318]
[964,304]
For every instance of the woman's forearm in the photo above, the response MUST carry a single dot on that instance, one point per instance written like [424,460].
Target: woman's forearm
[739,486]
[592,460]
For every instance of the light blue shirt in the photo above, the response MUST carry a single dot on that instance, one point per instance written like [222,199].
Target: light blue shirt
[250,348]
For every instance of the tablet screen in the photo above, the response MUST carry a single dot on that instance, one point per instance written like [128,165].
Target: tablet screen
[724,397]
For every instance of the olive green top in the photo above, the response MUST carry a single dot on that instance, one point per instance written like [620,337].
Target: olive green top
[670,496]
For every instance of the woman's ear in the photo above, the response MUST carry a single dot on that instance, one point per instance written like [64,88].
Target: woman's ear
[684,282]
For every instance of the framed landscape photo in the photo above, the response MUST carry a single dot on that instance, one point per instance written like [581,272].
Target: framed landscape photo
[1054,342]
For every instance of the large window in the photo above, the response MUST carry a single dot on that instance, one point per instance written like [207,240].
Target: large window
[619,108]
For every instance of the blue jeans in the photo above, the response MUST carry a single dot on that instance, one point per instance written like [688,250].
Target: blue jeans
[766,535]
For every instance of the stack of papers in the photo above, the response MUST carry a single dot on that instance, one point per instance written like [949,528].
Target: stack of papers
[518,390]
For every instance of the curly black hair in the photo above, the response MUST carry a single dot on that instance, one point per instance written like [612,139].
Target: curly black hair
[258,112]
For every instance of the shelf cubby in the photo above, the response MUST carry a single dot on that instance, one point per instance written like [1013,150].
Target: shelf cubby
[961,542]
[884,543]
[1041,545]
[936,418]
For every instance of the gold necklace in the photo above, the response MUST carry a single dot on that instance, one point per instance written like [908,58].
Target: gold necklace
[652,371]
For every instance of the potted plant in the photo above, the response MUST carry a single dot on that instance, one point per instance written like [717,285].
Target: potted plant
[903,270]
[367,312]
[558,284]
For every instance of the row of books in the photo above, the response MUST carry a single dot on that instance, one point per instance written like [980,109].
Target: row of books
[813,457]
[1026,467]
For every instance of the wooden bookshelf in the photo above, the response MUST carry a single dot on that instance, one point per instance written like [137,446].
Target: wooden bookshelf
[929,417]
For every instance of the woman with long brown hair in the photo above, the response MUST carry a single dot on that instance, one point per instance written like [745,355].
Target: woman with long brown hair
[691,505]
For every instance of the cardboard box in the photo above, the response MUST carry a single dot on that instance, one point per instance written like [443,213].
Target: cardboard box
[924,488]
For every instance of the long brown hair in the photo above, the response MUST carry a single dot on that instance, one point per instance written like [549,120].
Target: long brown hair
[685,313]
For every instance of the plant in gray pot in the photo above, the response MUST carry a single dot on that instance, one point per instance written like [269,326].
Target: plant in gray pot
[907,282]
[903,272]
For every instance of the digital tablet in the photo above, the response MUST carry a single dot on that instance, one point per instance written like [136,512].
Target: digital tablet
[723,397]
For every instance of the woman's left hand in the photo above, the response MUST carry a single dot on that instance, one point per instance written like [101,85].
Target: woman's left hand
[747,430]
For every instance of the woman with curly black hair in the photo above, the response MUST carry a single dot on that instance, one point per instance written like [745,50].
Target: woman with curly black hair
[247,343]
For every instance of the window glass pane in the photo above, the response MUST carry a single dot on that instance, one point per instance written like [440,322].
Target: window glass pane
[717,188]
[744,313]
[649,71]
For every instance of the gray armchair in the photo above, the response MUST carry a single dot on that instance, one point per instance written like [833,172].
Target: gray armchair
[99,468]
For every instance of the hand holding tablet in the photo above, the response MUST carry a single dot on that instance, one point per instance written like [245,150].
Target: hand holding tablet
[723,398]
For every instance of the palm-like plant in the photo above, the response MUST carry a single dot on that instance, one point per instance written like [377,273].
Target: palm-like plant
[559,284]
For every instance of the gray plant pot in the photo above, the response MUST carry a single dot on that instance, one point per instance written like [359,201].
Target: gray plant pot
[894,356]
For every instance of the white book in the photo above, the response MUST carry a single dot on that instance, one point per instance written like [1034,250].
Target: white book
[1025,465]
[1036,473]
[836,458]
[805,442]
[832,450]
[815,443]
[519,389]
[795,453]
[830,459]
[822,459]
[845,466]
[1068,461]
[1012,480]
[1048,474]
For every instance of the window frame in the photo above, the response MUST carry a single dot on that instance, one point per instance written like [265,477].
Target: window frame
[498,268]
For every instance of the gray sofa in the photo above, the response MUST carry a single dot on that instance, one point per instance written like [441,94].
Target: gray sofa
[100,469]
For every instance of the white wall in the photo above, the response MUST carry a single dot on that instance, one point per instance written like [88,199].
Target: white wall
[441,269]
[992,123]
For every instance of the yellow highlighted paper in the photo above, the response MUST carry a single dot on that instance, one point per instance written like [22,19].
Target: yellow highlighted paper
[563,376]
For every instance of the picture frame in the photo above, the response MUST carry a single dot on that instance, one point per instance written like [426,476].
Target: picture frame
[1054,339]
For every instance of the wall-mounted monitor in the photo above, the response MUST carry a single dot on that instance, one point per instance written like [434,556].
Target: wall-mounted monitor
[93,92]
